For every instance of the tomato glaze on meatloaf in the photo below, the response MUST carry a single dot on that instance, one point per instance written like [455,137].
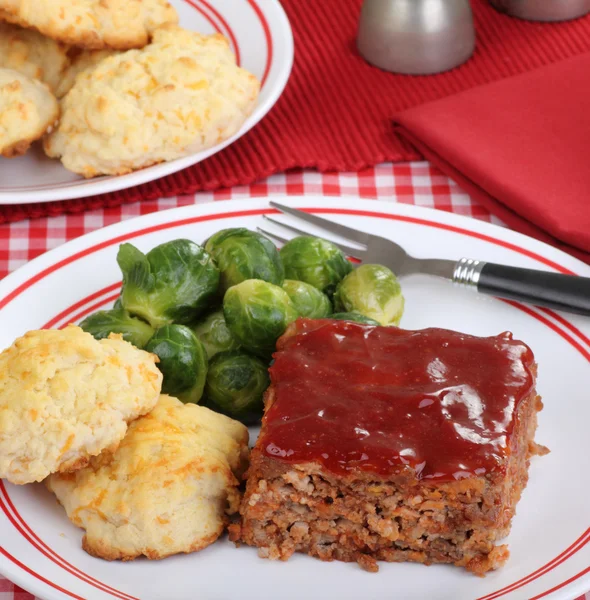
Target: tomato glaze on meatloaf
[379,443]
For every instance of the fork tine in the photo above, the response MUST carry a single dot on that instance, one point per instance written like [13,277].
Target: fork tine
[272,235]
[343,230]
[349,250]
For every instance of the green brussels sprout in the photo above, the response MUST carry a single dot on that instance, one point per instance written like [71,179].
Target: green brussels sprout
[118,303]
[257,313]
[355,317]
[173,283]
[241,254]
[214,334]
[183,362]
[308,300]
[315,261]
[372,290]
[102,323]
[236,382]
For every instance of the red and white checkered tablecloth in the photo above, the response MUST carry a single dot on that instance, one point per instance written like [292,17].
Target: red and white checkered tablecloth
[413,183]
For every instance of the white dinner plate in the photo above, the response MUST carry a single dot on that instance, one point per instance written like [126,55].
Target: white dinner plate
[40,549]
[261,38]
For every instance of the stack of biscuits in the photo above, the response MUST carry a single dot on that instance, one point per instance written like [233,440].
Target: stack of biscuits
[142,473]
[112,86]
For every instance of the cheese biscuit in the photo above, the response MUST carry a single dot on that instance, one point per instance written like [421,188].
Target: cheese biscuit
[94,24]
[169,487]
[65,397]
[32,54]
[84,60]
[181,94]
[28,110]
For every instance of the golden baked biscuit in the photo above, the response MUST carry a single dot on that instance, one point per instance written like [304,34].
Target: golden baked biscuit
[93,24]
[85,59]
[28,110]
[181,94]
[169,487]
[32,54]
[65,397]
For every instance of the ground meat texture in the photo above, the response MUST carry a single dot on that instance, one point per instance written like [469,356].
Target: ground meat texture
[365,517]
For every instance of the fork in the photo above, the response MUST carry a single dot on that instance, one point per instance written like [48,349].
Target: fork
[569,293]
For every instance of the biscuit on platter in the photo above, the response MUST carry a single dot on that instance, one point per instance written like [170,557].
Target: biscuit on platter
[94,24]
[32,54]
[168,488]
[28,110]
[181,94]
[83,60]
[65,397]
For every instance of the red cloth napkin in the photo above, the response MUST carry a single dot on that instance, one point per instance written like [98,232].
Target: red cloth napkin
[335,114]
[521,147]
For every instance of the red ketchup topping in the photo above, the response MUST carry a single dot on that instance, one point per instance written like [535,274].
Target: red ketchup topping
[381,399]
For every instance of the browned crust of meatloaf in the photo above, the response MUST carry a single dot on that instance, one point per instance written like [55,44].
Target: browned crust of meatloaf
[362,517]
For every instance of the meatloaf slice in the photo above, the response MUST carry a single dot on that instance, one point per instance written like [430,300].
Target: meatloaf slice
[384,444]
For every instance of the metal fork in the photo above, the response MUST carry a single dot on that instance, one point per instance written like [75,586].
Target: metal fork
[568,293]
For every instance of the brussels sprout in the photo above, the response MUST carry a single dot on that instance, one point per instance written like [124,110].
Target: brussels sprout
[102,323]
[118,303]
[174,282]
[315,261]
[215,335]
[257,313]
[374,291]
[236,382]
[242,254]
[308,300]
[183,362]
[355,317]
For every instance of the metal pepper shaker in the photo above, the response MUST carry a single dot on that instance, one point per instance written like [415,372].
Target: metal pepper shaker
[417,37]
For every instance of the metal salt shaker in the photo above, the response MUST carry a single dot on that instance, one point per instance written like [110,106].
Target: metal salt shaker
[543,10]
[417,37]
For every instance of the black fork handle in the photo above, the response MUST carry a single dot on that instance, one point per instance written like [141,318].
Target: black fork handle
[568,293]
